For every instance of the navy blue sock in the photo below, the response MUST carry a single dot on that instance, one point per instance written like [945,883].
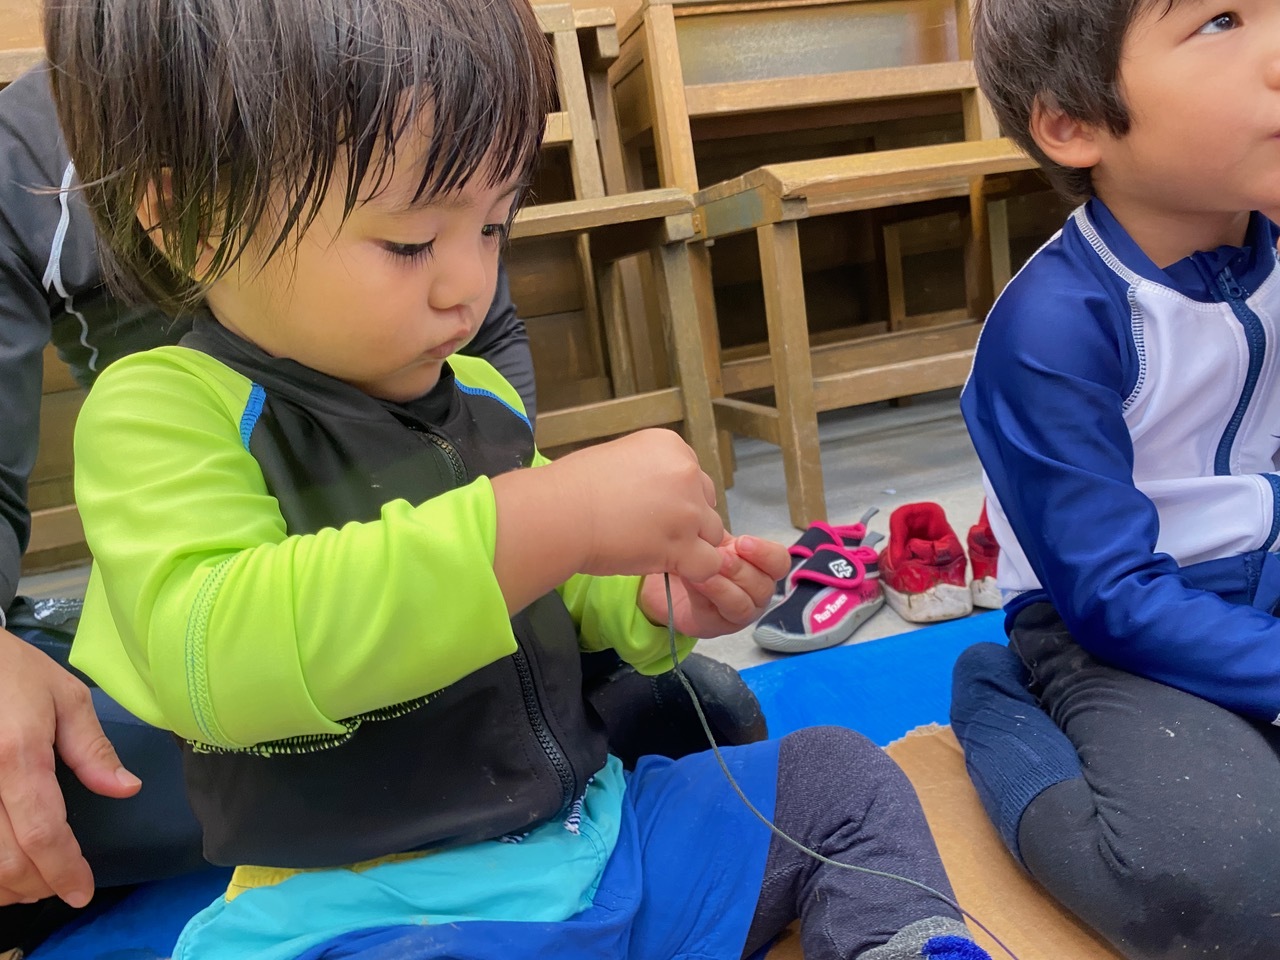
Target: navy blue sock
[1012,749]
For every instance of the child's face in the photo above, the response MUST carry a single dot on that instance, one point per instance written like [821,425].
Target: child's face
[382,301]
[1202,84]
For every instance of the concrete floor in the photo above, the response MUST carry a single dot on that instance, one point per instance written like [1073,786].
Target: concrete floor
[874,456]
[878,455]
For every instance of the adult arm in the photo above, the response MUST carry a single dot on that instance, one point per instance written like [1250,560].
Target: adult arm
[43,709]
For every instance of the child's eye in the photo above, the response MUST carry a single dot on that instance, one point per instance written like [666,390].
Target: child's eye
[496,231]
[409,252]
[1221,23]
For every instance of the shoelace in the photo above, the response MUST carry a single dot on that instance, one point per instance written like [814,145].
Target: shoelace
[857,558]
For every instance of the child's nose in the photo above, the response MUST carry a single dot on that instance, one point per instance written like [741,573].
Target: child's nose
[1271,68]
[463,277]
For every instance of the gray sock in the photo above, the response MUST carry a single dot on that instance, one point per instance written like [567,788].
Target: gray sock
[908,943]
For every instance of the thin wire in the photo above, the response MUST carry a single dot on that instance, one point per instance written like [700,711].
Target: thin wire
[777,831]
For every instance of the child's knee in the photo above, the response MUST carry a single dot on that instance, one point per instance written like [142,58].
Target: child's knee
[833,761]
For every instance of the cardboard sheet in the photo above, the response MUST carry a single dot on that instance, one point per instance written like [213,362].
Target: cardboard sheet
[988,881]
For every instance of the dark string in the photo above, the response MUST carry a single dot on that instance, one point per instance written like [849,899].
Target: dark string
[715,747]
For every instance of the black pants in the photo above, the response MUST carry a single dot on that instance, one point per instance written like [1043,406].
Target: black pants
[1169,844]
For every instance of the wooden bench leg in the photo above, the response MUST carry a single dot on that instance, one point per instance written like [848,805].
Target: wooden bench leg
[680,320]
[792,370]
[704,293]
[617,342]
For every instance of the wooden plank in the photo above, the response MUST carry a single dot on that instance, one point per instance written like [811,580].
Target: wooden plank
[747,210]
[856,181]
[57,375]
[20,24]
[14,63]
[592,17]
[58,413]
[805,120]
[571,81]
[746,96]
[747,419]
[781,272]
[54,528]
[554,16]
[873,384]
[576,215]
[558,131]
[557,428]
[755,373]
[667,102]
[881,197]
[685,8]
[887,169]
[679,304]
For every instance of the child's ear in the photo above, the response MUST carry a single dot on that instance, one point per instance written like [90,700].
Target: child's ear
[156,197]
[1064,140]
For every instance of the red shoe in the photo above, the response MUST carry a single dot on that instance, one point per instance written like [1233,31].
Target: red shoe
[923,569]
[984,551]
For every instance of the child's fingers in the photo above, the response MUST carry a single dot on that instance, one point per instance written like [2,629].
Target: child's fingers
[756,583]
[699,563]
[769,556]
[711,530]
[733,603]
[708,489]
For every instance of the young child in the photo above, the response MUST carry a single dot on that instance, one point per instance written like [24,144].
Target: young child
[1124,403]
[329,558]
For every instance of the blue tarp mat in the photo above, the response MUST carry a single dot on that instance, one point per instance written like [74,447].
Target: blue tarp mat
[882,688]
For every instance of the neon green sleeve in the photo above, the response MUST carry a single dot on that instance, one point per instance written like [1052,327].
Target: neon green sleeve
[204,617]
[604,608]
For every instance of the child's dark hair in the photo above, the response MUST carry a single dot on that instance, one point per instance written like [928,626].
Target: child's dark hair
[244,113]
[1064,55]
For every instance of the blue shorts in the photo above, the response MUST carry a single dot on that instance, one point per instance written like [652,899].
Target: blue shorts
[682,883]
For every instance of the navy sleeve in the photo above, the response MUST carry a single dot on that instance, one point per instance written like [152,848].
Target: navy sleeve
[1044,407]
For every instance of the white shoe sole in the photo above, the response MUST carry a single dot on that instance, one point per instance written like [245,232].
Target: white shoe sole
[779,642]
[945,601]
[986,594]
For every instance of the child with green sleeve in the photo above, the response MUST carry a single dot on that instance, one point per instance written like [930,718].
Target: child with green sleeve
[330,559]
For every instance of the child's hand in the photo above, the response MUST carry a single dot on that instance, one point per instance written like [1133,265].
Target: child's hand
[646,506]
[728,601]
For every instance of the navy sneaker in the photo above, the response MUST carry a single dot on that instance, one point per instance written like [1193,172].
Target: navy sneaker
[832,594]
[821,534]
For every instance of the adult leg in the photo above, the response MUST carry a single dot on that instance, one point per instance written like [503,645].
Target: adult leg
[843,796]
[1165,840]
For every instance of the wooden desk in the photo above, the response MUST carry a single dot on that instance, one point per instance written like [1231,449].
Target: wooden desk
[770,201]
[21,38]
[695,70]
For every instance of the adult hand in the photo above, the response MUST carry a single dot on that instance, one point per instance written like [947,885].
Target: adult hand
[44,708]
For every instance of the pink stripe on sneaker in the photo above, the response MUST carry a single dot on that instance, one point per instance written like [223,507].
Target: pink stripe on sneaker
[848,569]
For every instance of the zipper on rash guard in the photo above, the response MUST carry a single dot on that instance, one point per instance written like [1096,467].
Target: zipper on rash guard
[313,743]
[533,708]
[1256,339]
[550,746]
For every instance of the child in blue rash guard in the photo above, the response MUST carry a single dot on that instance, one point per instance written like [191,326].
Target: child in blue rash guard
[1125,403]
[330,559]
